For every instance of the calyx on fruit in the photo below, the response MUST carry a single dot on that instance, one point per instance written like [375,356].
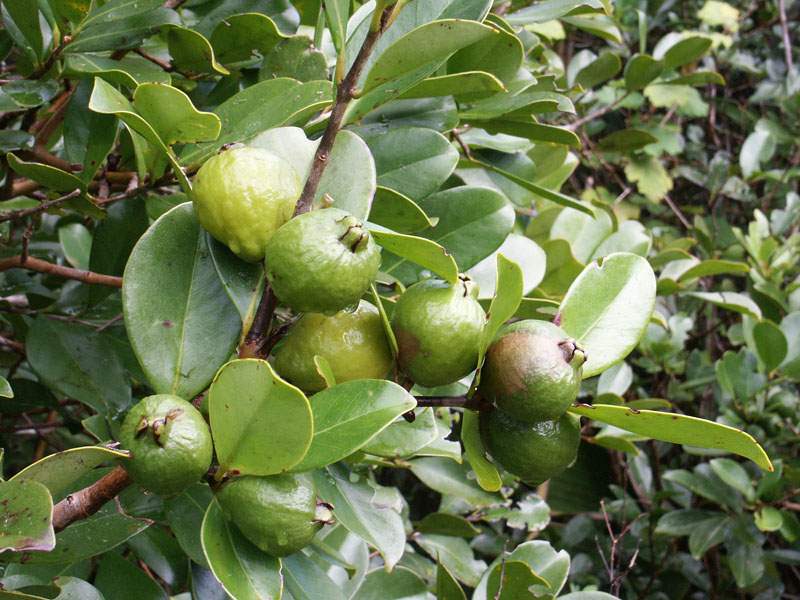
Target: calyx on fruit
[322,261]
[170,443]
[438,327]
[532,371]
[243,195]
[278,513]
[353,343]
[533,452]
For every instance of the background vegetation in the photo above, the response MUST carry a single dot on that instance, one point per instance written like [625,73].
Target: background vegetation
[674,124]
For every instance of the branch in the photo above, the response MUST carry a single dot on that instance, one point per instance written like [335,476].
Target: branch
[475,403]
[260,328]
[787,42]
[344,94]
[86,502]
[42,266]
[598,113]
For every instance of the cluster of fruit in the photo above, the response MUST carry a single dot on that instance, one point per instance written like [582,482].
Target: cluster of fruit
[320,264]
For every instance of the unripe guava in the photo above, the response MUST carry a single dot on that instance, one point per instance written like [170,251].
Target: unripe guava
[322,261]
[532,371]
[170,443]
[277,513]
[243,195]
[353,343]
[533,452]
[438,328]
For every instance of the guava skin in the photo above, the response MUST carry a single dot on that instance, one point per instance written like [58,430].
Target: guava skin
[532,371]
[170,442]
[534,453]
[438,327]
[242,196]
[353,342]
[322,261]
[276,512]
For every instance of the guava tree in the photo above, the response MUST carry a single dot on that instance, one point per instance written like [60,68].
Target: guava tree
[275,322]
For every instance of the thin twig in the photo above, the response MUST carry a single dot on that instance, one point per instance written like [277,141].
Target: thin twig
[42,266]
[259,331]
[678,212]
[14,215]
[787,42]
[598,113]
[88,501]
[344,94]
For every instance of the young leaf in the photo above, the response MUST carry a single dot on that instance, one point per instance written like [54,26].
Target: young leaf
[247,399]
[425,253]
[678,429]
[505,302]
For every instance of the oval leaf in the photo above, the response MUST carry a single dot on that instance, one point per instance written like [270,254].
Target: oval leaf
[424,252]
[26,517]
[175,304]
[261,425]
[607,309]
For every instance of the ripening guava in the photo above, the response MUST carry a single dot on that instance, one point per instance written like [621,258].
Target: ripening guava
[243,195]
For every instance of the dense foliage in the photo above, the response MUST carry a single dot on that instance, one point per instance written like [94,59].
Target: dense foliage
[627,171]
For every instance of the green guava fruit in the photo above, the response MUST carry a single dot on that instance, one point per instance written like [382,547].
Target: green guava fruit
[533,452]
[353,343]
[277,513]
[532,371]
[438,327]
[170,443]
[242,196]
[322,261]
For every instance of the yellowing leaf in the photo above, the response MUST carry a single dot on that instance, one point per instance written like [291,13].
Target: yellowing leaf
[719,14]
[650,177]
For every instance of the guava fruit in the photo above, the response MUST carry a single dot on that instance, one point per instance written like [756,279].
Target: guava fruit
[532,371]
[277,512]
[353,343]
[322,261]
[438,327]
[533,452]
[170,443]
[243,195]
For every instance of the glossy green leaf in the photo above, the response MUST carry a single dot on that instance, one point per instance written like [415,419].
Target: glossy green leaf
[297,58]
[349,415]
[626,140]
[685,51]
[5,388]
[243,281]
[89,537]
[50,177]
[412,160]
[58,472]
[244,571]
[242,37]
[398,212]
[428,44]
[272,103]
[185,513]
[352,194]
[734,474]
[441,523]
[172,115]
[401,438]
[454,553]
[770,343]
[170,314]
[113,570]
[24,15]
[698,78]
[248,398]
[757,149]
[306,580]
[678,429]
[191,52]
[26,513]
[500,55]
[731,301]
[88,136]
[451,478]
[447,588]
[505,302]
[80,363]
[336,14]
[472,83]
[541,559]
[359,507]
[400,584]
[421,251]
[76,244]
[712,267]
[640,70]
[524,252]
[129,71]
[511,580]
[603,68]
[553,9]
[790,326]
[608,307]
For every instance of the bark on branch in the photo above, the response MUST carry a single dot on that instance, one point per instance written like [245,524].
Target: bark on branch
[86,502]
[42,266]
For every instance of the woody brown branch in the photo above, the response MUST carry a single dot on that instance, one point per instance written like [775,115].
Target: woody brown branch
[42,266]
[88,501]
